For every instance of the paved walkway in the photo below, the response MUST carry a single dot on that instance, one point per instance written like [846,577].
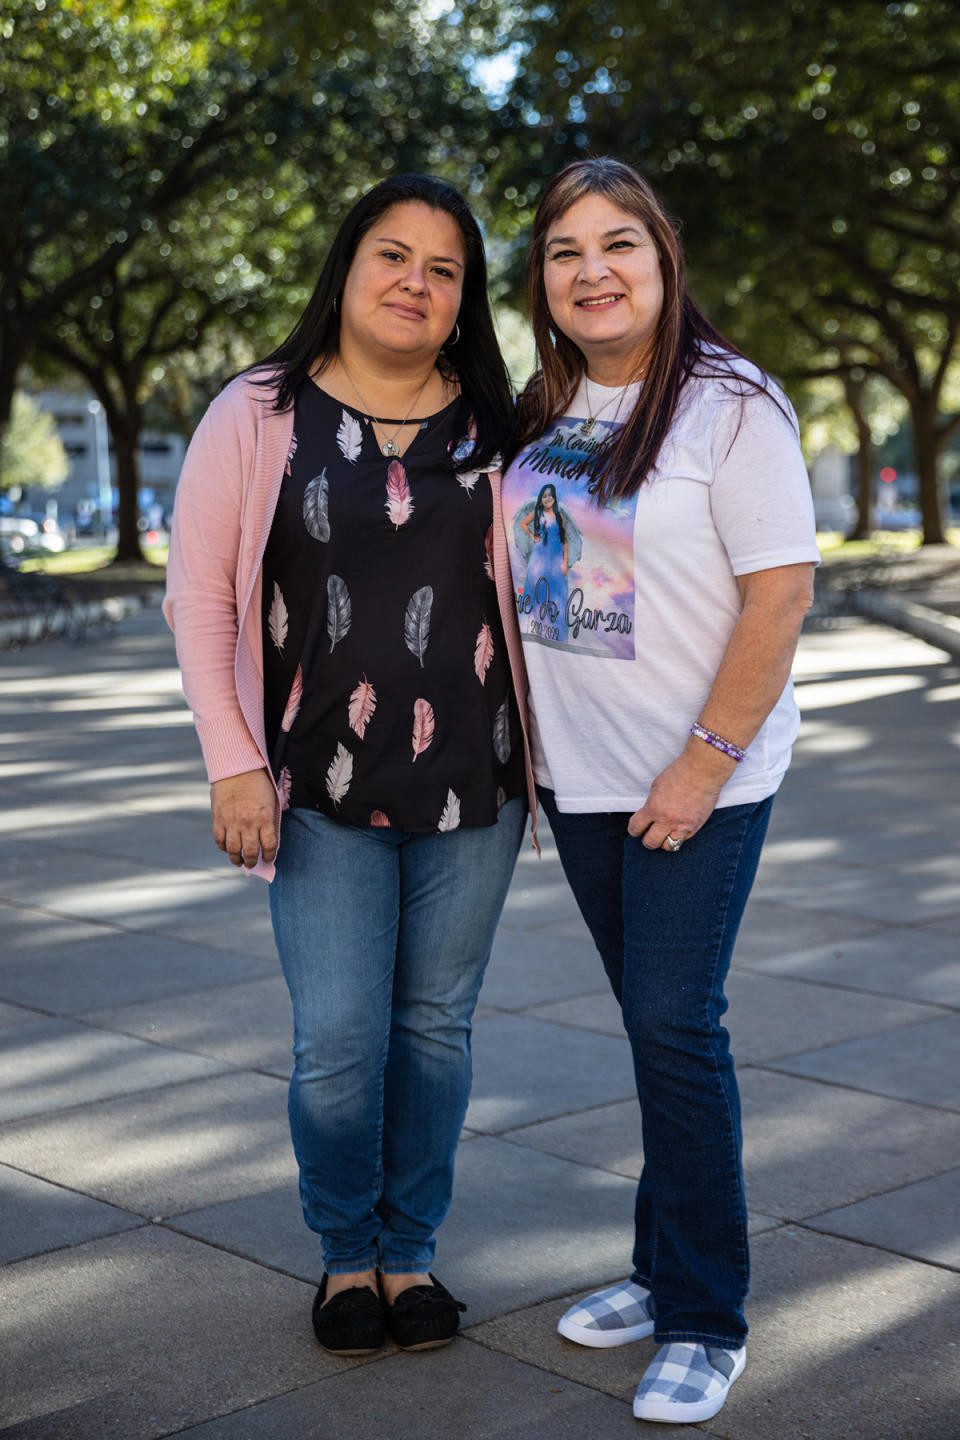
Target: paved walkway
[158,1277]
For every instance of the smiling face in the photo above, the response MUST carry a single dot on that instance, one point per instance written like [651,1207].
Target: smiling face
[403,289]
[604,285]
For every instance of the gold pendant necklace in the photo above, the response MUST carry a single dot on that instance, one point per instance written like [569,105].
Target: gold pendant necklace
[388,447]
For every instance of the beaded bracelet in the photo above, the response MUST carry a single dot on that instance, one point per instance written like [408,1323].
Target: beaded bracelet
[717,741]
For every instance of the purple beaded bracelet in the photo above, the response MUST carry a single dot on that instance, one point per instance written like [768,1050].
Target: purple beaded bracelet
[717,741]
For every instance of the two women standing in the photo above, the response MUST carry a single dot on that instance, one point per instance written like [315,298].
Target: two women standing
[349,629]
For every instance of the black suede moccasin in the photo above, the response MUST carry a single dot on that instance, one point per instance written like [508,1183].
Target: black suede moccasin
[424,1317]
[352,1323]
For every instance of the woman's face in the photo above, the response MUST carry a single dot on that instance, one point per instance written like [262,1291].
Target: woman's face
[549,500]
[403,289]
[603,281]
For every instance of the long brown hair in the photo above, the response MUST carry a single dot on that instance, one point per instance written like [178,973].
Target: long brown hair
[684,343]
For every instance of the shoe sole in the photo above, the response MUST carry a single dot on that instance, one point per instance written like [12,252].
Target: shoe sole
[366,1350]
[428,1344]
[673,1413]
[603,1339]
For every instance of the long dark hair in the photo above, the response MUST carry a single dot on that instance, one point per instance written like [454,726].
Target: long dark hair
[684,343]
[474,362]
[538,512]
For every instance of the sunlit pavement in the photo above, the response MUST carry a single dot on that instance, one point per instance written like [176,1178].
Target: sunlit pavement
[158,1277]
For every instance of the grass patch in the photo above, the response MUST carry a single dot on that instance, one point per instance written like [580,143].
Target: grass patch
[99,557]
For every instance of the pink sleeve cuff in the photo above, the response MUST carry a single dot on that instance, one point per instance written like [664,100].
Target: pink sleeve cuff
[228,748]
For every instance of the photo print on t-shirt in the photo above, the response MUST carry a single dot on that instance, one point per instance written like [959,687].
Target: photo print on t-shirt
[572,561]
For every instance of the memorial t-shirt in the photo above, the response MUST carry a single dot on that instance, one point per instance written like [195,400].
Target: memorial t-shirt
[626,610]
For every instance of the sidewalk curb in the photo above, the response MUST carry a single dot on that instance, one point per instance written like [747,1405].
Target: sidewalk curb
[931,625]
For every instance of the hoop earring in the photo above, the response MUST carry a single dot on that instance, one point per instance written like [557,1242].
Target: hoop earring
[335,304]
[456,334]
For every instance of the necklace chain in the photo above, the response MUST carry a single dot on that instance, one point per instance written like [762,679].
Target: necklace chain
[388,447]
[588,426]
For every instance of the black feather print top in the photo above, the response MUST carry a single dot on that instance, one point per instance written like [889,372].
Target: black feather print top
[388,698]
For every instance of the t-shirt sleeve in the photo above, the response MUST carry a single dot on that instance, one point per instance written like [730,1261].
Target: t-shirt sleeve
[760,496]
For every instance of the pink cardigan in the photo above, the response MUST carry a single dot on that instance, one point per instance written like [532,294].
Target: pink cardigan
[224,507]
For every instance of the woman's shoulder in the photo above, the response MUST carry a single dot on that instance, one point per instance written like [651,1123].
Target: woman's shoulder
[723,378]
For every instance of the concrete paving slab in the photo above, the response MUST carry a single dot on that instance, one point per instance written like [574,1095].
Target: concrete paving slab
[919,1220]
[166,1150]
[906,962]
[12,1017]
[771,929]
[253,937]
[557,962]
[26,928]
[523,1225]
[249,1025]
[526,1070]
[949,925]
[917,1062]
[59,1064]
[539,899]
[464,1391]
[162,1332]
[36,1216]
[811,1147]
[807,1147]
[176,839]
[845,1342]
[135,896]
[895,895]
[117,969]
[767,1016]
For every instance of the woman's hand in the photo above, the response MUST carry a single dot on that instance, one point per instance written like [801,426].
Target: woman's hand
[244,809]
[681,799]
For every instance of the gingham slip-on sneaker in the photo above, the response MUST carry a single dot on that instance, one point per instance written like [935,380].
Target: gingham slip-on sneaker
[686,1383]
[610,1317]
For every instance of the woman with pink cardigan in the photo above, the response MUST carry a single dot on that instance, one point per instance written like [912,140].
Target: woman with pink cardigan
[347,632]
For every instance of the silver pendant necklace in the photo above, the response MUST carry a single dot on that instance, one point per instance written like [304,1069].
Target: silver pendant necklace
[588,426]
[388,447]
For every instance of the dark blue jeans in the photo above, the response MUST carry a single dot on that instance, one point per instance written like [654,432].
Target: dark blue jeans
[665,926]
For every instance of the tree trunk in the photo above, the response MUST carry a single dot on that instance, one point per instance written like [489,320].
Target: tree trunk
[854,395]
[125,439]
[927,443]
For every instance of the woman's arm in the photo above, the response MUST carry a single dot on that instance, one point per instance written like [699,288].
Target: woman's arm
[754,669]
[201,608]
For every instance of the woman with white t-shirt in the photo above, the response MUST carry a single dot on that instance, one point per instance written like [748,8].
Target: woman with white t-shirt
[662,715]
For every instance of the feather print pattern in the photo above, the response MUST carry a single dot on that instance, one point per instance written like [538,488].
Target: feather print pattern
[469,478]
[316,507]
[277,619]
[483,652]
[293,701]
[399,505]
[363,702]
[290,454]
[416,622]
[488,558]
[423,723]
[283,785]
[450,818]
[339,774]
[349,437]
[377,817]
[339,612]
[501,733]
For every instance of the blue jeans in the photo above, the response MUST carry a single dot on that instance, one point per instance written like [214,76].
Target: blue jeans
[665,926]
[383,938]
